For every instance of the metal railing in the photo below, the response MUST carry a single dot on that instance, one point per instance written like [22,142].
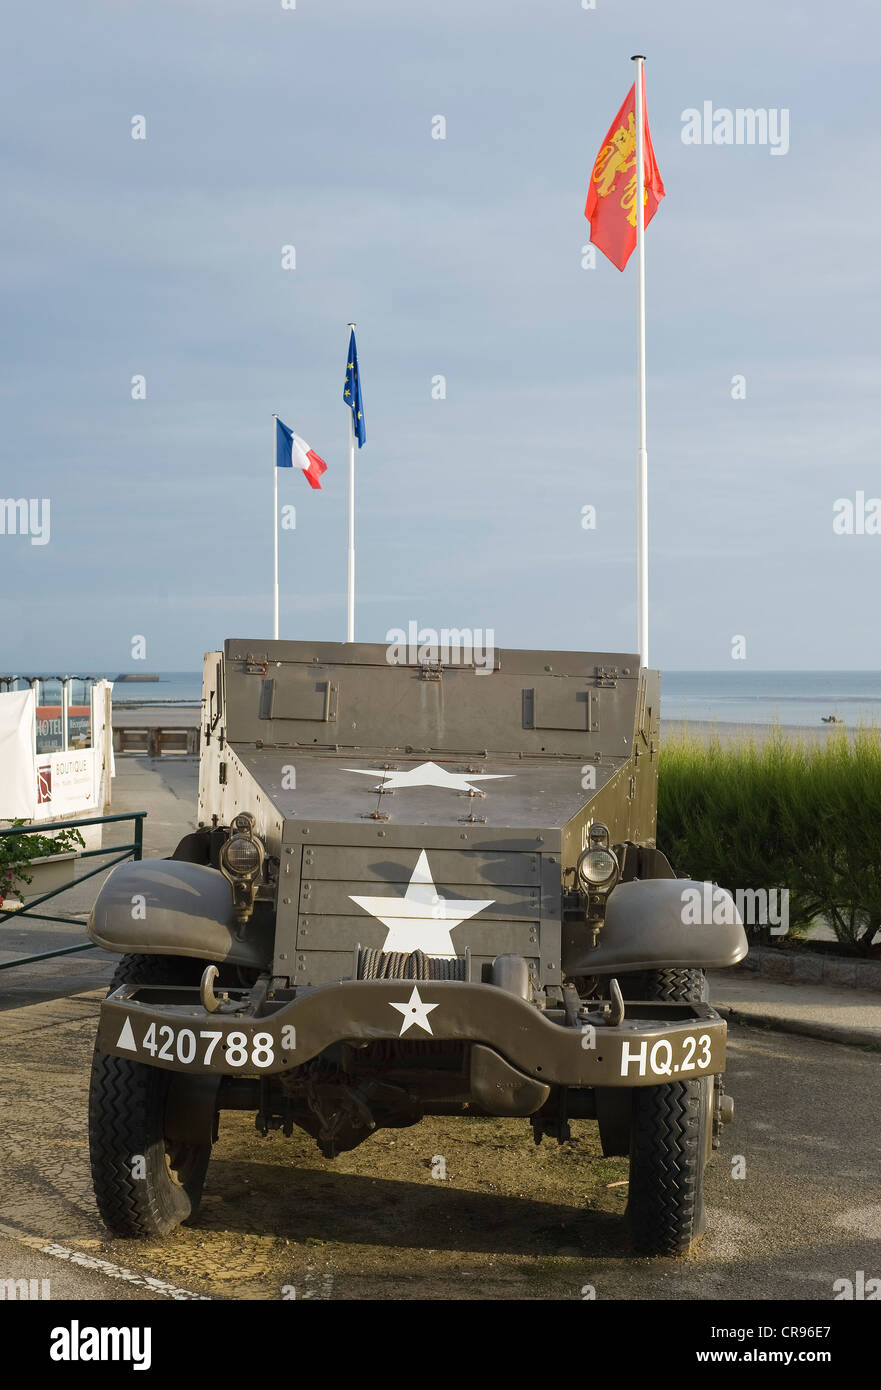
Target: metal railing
[122,852]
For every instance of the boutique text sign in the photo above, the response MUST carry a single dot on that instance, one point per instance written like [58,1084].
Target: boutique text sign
[66,782]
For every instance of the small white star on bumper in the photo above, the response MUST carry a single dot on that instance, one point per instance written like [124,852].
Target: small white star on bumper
[415,1012]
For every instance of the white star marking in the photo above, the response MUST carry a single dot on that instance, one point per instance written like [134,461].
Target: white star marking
[415,1012]
[430,775]
[421,920]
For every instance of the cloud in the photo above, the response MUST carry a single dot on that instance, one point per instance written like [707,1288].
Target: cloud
[458,258]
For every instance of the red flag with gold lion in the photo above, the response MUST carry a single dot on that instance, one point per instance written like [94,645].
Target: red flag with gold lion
[611,198]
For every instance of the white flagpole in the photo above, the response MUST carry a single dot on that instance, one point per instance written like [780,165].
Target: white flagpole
[350,588]
[642,546]
[275,527]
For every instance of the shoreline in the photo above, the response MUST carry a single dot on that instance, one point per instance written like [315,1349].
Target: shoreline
[725,732]
[182,713]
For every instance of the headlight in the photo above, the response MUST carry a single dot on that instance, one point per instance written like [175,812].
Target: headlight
[242,855]
[597,870]
[241,862]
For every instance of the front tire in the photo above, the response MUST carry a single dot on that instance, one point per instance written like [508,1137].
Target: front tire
[145,1184]
[671,1140]
[672,986]
[668,1151]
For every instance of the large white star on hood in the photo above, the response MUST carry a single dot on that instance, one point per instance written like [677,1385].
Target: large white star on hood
[421,920]
[429,775]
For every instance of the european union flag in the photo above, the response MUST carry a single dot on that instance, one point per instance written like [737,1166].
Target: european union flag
[352,393]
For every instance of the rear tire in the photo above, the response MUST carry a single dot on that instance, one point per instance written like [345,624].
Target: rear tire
[145,1185]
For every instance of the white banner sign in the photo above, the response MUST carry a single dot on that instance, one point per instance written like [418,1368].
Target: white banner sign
[49,786]
[18,787]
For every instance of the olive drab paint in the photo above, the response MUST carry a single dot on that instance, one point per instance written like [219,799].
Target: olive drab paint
[418,882]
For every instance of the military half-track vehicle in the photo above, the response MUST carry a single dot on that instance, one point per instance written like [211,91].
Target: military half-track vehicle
[414,889]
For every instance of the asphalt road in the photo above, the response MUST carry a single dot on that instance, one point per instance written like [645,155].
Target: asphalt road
[508,1221]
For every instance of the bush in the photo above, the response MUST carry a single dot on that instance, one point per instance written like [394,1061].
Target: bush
[782,813]
[17,850]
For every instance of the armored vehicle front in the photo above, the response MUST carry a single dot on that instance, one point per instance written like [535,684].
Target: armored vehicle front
[427,888]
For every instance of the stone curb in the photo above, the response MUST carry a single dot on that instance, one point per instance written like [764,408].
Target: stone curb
[806,1028]
[804,968]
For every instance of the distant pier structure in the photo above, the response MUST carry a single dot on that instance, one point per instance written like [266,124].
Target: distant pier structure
[156,730]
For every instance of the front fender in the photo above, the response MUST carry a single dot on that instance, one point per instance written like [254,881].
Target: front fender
[168,907]
[650,925]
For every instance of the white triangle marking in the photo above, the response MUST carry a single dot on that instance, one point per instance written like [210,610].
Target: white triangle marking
[126,1038]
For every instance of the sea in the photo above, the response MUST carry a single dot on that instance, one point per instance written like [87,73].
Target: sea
[801,698]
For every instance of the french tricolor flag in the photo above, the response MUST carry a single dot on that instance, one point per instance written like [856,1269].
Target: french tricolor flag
[292,451]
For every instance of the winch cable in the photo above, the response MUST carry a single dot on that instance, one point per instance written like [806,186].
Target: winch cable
[415,965]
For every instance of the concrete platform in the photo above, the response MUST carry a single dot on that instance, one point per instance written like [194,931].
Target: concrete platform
[156,716]
[813,1010]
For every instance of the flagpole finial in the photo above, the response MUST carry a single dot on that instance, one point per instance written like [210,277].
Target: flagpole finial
[637,58]
[351,325]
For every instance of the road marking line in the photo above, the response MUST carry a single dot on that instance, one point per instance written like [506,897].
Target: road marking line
[79,1257]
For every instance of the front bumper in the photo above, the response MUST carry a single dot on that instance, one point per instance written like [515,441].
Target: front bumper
[170,1028]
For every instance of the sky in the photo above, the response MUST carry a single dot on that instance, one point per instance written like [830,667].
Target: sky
[459,258]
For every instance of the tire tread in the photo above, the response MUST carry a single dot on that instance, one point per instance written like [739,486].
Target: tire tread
[122,1102]
[666,1169]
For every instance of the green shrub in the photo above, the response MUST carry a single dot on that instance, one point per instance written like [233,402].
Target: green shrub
[782,813]
[17,850]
